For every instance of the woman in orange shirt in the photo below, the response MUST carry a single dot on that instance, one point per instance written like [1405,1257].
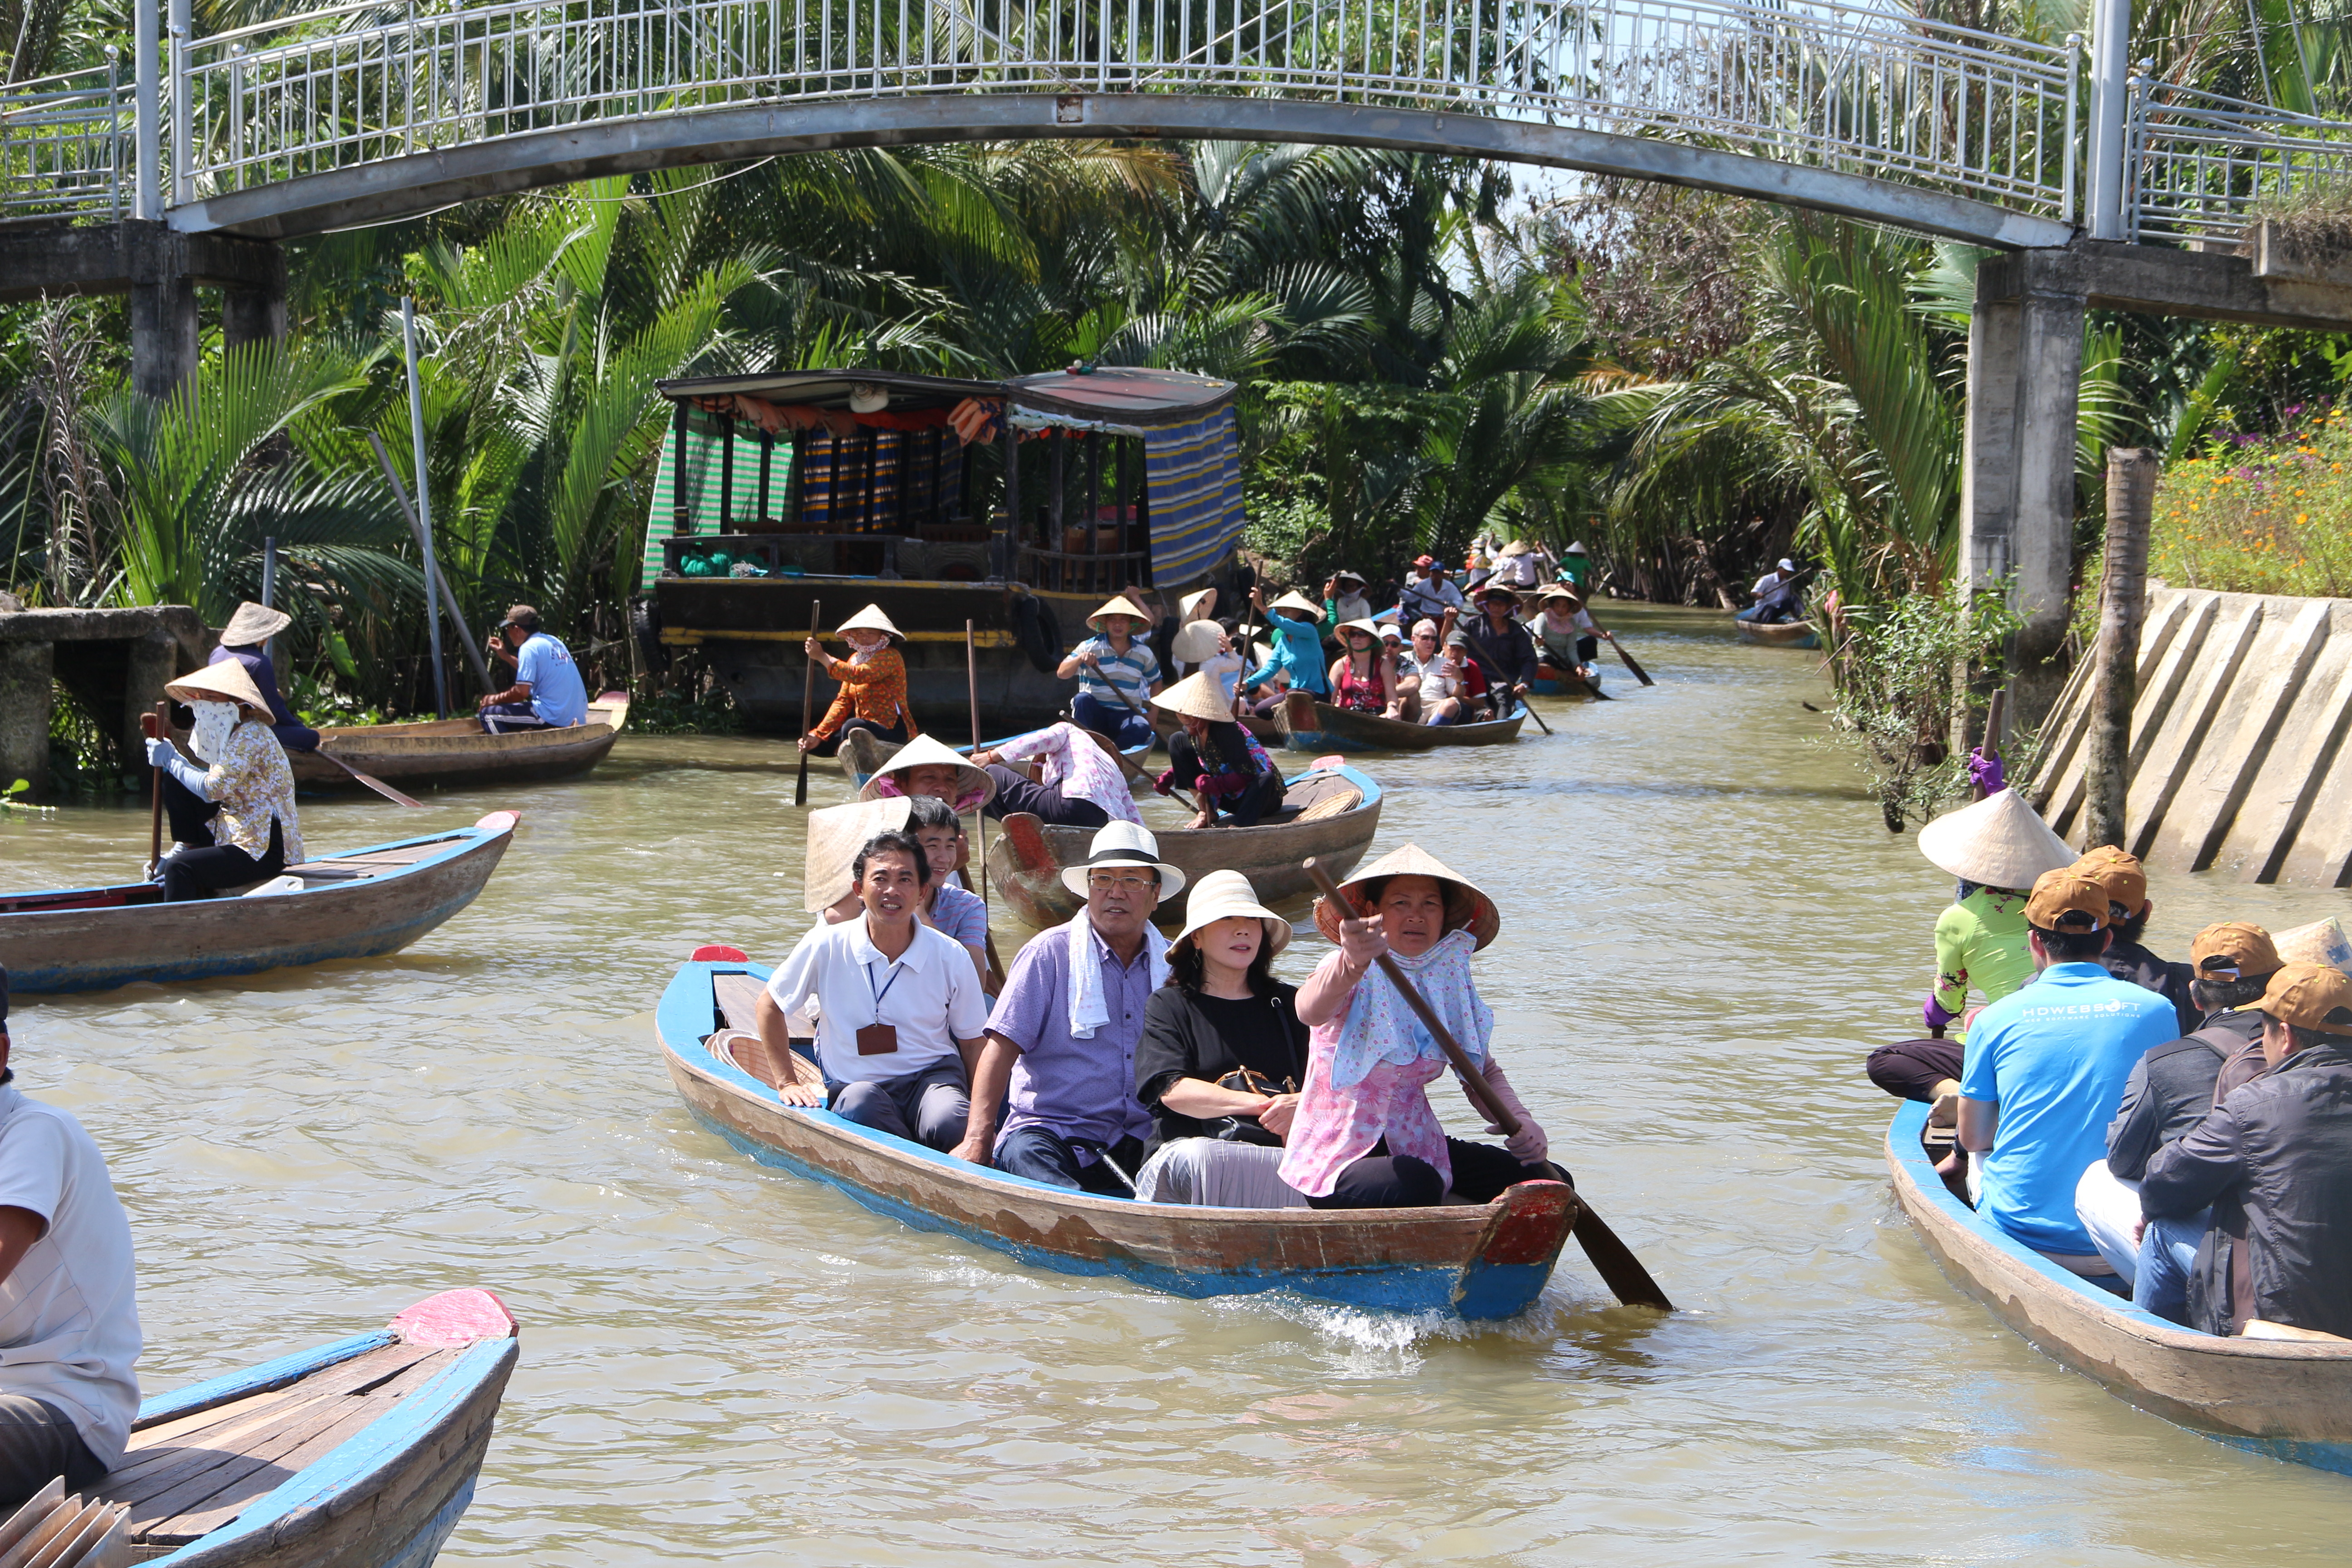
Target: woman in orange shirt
[873,694]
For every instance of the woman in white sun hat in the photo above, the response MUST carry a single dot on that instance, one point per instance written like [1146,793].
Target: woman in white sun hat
[1223,1052]
[873,694]
[231,810]
[1213,758]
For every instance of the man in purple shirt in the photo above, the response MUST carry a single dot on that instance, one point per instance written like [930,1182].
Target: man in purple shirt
[1061,1041]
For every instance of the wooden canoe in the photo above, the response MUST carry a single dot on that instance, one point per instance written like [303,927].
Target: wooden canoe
[2289,1399]
[360,1454]
[1785,634]
[361,904]
[1331,814]
[1312,726]
[455,752]
[1474,1262]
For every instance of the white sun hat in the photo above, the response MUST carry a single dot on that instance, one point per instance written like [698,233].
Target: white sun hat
[1124,844]
[1476,911]
[254,625]
[1224,896]
[872,620]
[1999,842]
[1122,606]
[1195,641]
[1295,600]
[1189,608]
[224,683]
[835,834]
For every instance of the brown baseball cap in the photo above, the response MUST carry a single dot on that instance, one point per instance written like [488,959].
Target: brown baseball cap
[2067,901]
[2233,950]
[2311,996]
[2120,874]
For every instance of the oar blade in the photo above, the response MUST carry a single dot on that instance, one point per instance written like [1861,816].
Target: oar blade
[1632,664]
[372,781]
[1614,1261]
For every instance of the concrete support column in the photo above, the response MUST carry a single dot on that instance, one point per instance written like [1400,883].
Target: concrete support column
[2017,491]
[251,315]
[155,661]
[163,309]
[26,669]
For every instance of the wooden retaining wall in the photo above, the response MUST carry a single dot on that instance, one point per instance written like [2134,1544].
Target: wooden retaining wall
[2239,762]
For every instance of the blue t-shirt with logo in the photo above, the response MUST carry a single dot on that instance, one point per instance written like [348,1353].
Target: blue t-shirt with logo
[557,695]
[2055,1054]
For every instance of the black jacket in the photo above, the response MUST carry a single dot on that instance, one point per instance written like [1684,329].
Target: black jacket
[2274,1160]
[2129,960]
[1508,658]
[2171,1088]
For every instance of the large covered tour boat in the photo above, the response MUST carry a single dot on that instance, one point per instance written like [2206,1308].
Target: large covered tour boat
[790,500]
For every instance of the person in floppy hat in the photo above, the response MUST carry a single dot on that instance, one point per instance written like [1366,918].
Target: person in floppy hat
[2125,958]
[1365,1135]
[1214,758]
[2273,1162]
[1364,678]
[1569,639]
[233,817]
[246,641]
[1060,1058]
[1116,660]
[1222,1052]
[1294,633]
[547,693]
[873,695]
[926,766]
[1504,652]
[2044,1070]
[1996,848]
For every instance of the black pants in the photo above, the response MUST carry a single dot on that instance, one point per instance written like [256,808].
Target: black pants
[1043,1155]
[1017,792]
[1384,1181]
[38,1444]
[1248,809]
[895,735]
[1910,1069]
[189,814]
[200,873]
[929,1107]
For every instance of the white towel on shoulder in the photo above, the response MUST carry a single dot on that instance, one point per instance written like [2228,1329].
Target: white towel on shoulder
[1089,1006]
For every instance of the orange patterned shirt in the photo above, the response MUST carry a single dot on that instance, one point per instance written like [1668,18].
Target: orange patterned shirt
[875,691]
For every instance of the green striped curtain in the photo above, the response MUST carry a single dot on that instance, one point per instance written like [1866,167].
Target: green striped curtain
[701,478]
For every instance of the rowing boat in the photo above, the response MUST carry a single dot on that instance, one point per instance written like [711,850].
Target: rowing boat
[1331,814]
[1475,1262]
[1551,681]
[361,904]
[2289,1399]
[1785,634]
[359,1454]
[456,750]
[861,753]
[1312,726]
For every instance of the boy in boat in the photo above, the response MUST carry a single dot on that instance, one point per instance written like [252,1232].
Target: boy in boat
[69,1299]
[1114,668]
[233,818]
[1079,782]
[899,1007]
[246,641]
[2273,1162]
[547,693]
[873,694]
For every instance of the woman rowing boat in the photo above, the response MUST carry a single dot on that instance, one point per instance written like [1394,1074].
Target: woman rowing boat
[873,694]
[1220,762]
[233,819]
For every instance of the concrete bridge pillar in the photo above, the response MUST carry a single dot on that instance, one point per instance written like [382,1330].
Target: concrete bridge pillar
[256,312]
[2017,488]
[26,669]
[162,307]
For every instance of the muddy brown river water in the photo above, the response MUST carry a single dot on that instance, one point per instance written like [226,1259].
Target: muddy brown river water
[1705,928]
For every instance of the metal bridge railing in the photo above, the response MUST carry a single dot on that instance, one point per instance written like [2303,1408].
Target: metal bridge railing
[1853,88]
[2197,163]
[65,145]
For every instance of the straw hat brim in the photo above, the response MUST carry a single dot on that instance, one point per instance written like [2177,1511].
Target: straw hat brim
[2322,942]
[1171,877]
[1517,547]
[1195,640]
[224,683]
[1188,608]
[1198,697]
[254,625]
[1295,600]
[1366,626]
[1214,898]
[835,834]
[1999,842]
[923,749]
[871,618]
[1121,606]
[1485,923]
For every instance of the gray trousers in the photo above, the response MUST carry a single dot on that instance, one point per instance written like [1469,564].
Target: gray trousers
[38,1444]
[928,1107]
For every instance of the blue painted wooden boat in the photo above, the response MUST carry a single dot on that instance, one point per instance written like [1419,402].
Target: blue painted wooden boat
[361,904]
[1310,725]
[2289,1399]
[1477,1263]
[359,1454]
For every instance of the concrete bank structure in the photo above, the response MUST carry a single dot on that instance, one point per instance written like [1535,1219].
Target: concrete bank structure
[2238,760]
[114,662]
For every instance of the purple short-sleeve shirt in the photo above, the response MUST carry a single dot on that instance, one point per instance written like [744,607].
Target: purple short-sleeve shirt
[1079,1088]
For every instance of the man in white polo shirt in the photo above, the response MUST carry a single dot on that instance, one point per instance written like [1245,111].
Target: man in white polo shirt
[69,1307]
[899,1010]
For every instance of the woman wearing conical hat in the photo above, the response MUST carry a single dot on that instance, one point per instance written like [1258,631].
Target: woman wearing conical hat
[1113,668]
[1215,758]
[231,810]
[873,695]
[246,641]
[1365,1135]
[1294,628]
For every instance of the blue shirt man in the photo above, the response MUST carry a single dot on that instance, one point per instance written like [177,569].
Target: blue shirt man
[2045,1068]
[548,690]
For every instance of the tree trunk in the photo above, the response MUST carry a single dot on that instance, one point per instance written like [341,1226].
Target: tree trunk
[2123,604]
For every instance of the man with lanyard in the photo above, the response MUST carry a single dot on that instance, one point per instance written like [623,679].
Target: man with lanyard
[1504,652]
[246,641]
[1429,596]
[69,1299]
[547,693]
[899,1006]
[1062,1039]
[1115,667]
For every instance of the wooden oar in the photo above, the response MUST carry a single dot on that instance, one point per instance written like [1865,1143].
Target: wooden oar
[1121,755]
[1994,714]
[808,703]
[1631,663]
[155,726]
[1612,1258]
[372,782]
[971,687]
[1528,708]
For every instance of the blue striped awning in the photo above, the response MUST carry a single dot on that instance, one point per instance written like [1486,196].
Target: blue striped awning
[1194,474]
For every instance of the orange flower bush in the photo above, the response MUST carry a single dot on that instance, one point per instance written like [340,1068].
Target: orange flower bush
[2260,515]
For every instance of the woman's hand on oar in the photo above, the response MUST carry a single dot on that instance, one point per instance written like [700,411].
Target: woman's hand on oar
[1612,1258]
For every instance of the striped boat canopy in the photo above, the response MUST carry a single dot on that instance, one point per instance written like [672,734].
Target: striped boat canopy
[1193,473]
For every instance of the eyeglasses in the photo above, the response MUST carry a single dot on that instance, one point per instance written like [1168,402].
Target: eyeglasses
[1104,883]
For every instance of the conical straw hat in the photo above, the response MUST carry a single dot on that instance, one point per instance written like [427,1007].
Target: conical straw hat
[1122,606]
[1198,696]
[224,683]
[1224,896]
[835,834]
[2323,942]
[1196,640]
[1295,600]
[1412,860]
[871,618]
[1517,547]
[1368,627]
[1999,842]
[974,788]
[1189,608]
[254,625]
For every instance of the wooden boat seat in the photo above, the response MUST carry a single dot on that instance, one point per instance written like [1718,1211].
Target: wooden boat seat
[186,1478]
[736,998]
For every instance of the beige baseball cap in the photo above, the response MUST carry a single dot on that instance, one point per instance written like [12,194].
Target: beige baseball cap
[2310,996]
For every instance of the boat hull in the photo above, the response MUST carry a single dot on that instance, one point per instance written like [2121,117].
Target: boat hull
[1787,634]
[1312,726]
[437,752]
[94,949]
[1025,856]
[1477,1263]
[2291,1400]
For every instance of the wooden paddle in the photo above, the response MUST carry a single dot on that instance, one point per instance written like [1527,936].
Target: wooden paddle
[1630,663]
[372,782]
[971,687]
[1612,1258]
[808,703]
[155,726]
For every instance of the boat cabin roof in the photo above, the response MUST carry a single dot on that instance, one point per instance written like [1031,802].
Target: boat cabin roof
[1116,396]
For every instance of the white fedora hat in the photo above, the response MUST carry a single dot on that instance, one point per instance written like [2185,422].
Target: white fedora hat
[974,788]
[1227,895]
[1999,842]
[1124,844]
[1197,696]
[871,618]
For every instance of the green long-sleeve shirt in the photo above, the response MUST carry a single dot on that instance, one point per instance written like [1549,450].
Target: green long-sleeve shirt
[1980,946]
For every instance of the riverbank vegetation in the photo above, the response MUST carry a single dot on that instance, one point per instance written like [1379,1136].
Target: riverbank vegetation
[2260,514]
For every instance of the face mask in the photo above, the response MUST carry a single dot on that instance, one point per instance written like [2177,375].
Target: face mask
[213,722]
